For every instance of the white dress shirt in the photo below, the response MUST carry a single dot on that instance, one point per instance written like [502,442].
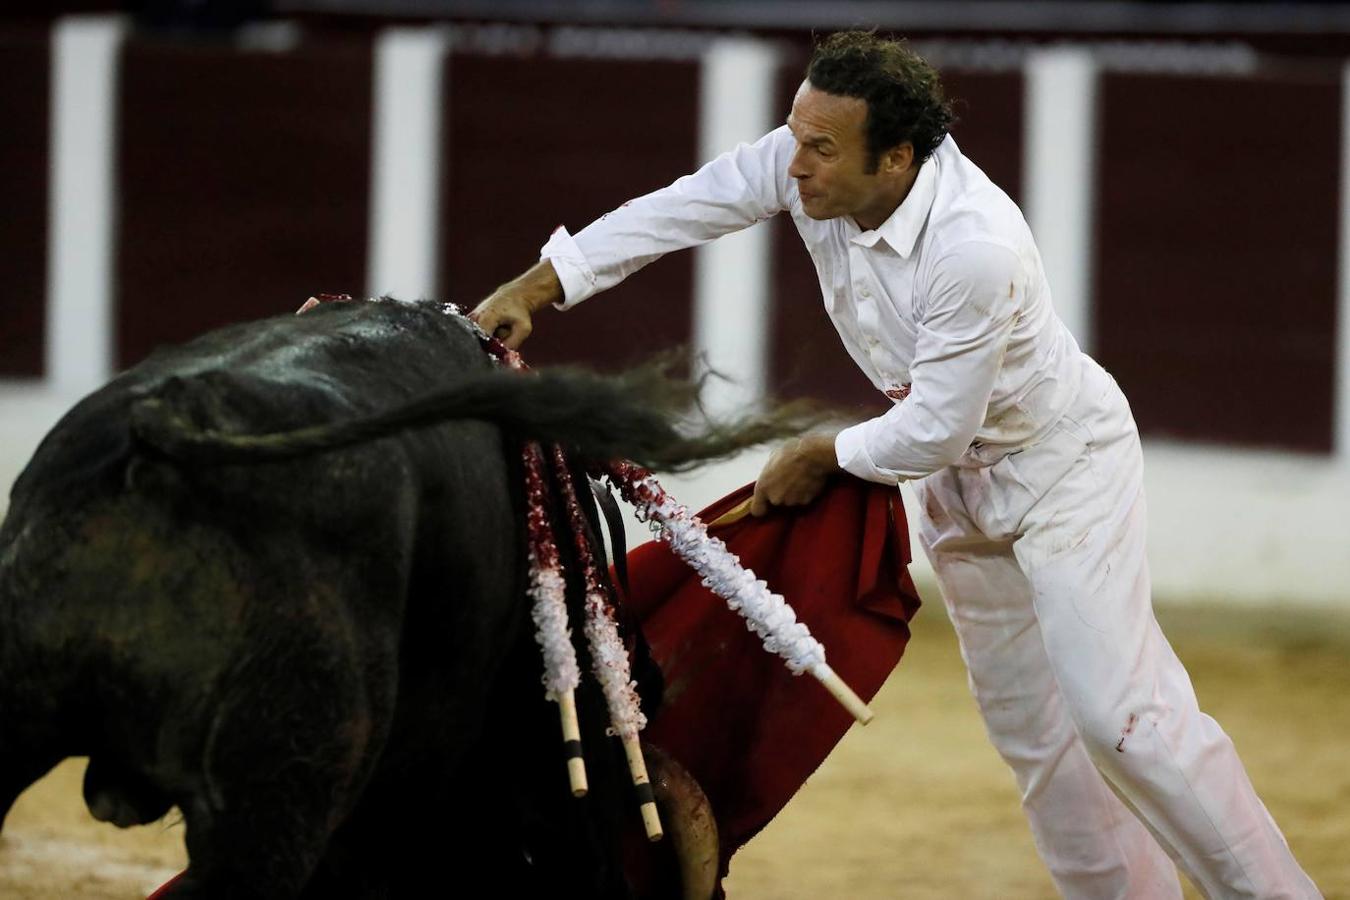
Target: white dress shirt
[945,306]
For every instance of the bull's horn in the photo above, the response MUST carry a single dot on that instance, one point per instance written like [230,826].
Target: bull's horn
[689,823]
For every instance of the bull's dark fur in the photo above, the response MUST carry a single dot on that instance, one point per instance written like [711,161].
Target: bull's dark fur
[325,660]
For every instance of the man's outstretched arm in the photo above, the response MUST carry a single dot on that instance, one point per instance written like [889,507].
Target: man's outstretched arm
[736,190]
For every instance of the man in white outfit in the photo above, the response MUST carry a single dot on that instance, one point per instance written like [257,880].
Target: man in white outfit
[1021,449]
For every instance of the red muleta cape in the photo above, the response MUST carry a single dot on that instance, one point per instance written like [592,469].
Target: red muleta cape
[733,714]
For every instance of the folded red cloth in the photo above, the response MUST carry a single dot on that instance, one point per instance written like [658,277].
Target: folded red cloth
[743,725]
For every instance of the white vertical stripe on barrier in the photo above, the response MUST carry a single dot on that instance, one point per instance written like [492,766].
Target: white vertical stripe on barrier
[731,274]
[81,201]
[1341,410]
[405,155]
[1059,171]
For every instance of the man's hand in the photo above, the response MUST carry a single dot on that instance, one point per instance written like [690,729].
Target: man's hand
[506,313]
[795,474]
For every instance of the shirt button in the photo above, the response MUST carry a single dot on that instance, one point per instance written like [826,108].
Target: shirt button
[865,292]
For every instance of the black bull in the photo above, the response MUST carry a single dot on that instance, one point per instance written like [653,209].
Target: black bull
[324,659]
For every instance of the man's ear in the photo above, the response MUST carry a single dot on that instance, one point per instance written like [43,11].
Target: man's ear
[898,159]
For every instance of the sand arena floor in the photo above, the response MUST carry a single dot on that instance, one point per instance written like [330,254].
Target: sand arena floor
[916,805]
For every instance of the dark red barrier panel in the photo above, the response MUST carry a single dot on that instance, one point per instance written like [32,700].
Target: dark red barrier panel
[807,358]
[989,113]
[1216,254]
[534,143]
[24,89]
[243,179]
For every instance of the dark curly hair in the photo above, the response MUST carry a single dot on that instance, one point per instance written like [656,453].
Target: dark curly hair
[903,94]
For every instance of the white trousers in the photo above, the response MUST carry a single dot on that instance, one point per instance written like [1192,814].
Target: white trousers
[1040,558]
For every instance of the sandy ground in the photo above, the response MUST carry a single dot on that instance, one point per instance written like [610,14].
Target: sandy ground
[916,805]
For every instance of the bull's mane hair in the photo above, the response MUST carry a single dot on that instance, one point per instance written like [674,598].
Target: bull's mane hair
[634,415]
[904,96]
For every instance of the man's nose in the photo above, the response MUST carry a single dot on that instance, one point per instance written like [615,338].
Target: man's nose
[797,167]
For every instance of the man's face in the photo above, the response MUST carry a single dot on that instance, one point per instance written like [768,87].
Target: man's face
[831,160]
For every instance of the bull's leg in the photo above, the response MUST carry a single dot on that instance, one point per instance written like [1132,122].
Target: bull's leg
[261,848]
[260,835]
[289,750]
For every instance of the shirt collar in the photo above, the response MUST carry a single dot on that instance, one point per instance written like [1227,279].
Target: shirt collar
[901,229]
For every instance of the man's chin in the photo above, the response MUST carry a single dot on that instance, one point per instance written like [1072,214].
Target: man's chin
[816,210]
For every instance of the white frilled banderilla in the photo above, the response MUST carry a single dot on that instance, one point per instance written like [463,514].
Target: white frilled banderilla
[766,613]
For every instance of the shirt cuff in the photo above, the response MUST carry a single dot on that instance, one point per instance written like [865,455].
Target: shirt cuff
[850,451]
[575,274]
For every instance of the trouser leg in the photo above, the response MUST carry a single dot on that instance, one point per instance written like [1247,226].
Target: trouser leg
[1082,548]
[1092,844]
